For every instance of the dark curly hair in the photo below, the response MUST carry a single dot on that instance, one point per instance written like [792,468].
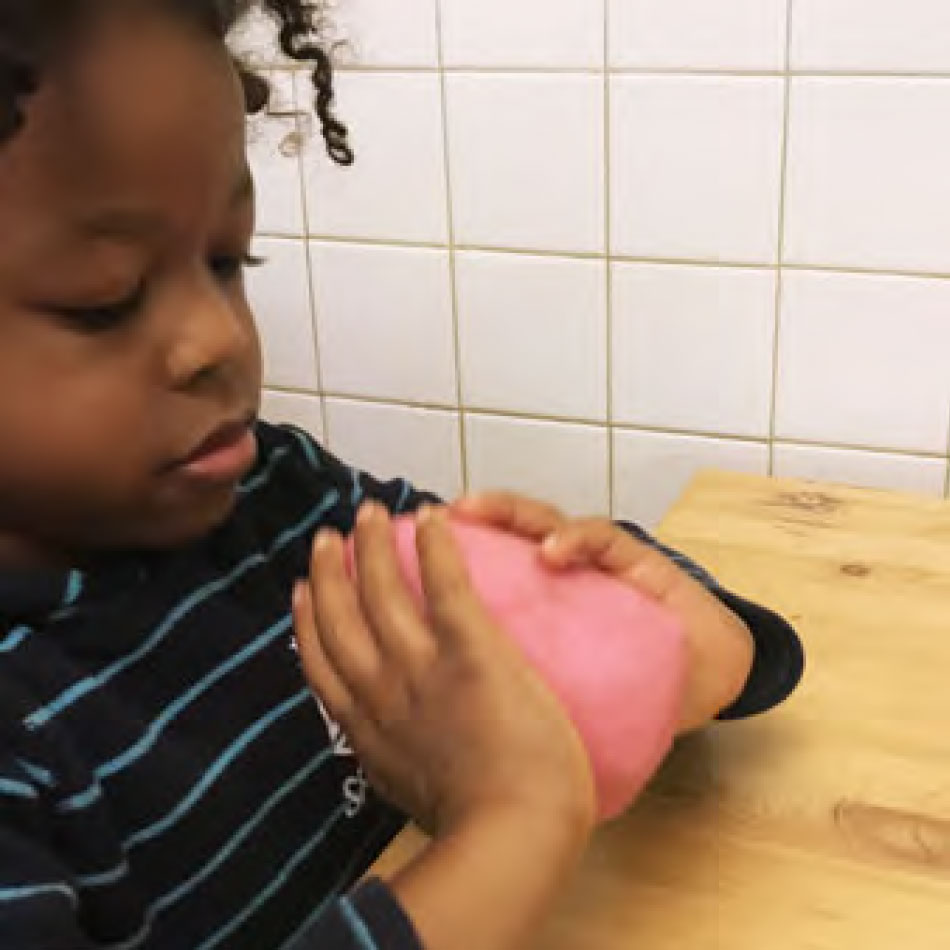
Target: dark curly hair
[31,32]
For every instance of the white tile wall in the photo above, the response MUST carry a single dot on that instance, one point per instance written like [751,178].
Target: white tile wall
[695,167]
[280,295]
[383,33]
[651,469]
[711,34]
[421,445]
[693,348]
[592,246]
[397,189]
[562,463]
[533,334]
[527,184]
[898,35]
[865,360]
[527,33]
[297,409]
[370,300]
[867,182]
[868,469]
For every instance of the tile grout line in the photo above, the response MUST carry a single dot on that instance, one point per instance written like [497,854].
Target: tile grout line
[451,247]
[645,70]
[780,245]
[843,270]
[528,416]
[608,272]
[308,262]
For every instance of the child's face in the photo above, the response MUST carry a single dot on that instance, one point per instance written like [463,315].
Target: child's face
[126,208]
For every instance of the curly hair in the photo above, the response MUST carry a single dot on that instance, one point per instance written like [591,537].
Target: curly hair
[32,31]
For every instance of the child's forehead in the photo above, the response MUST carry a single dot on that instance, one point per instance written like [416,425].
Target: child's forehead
[136,116]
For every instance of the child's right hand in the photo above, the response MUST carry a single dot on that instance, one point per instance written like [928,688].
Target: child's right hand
[447,718]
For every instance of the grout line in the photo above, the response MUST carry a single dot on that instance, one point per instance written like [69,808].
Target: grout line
[780,244]
[453,270]
[308,264]
[844,270]
[608,271]
[526,416]
[645,70]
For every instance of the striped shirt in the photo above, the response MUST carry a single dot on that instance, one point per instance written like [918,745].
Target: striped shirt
[167,780]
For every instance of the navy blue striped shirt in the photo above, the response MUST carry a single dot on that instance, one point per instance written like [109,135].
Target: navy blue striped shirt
[166,778]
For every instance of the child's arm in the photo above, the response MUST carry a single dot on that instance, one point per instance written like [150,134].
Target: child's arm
[452,727]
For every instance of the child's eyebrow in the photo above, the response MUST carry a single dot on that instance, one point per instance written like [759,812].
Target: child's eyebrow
[135,223]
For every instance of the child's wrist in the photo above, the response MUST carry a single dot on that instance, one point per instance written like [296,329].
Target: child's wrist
[555,824]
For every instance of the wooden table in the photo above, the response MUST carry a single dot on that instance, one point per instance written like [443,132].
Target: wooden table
[824,825]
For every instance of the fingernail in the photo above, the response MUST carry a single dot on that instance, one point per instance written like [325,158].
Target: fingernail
[366,513]
[550,543]
[322,541]
[424,514]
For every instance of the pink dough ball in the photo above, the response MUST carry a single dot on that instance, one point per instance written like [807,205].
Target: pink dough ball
[614,657]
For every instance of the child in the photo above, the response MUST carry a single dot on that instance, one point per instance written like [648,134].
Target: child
[167,777]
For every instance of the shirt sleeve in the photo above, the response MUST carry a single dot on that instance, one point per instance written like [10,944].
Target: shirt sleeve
[370,918]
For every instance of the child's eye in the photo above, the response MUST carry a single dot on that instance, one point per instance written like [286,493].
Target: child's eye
[104,317]
[227,268]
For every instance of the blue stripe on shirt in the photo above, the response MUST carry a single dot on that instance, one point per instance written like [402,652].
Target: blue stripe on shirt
[346,875]
[14,638]
[364,938]
[307,447]
[11,895]
[80,800]
[89,684]
[276,883]
[171,712]
[103,878]
[16,789]
[40,775]
[242,834]
[264,476]
[214,772]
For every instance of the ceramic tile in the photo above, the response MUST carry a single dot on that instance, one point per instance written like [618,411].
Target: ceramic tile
[533,334]
[693,347]
[695,167]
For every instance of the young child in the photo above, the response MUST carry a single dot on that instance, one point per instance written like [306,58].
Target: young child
[168,778]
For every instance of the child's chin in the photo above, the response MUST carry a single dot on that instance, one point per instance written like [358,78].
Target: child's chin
[191,525]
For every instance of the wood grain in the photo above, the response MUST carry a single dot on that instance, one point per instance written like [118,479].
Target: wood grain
[824,825]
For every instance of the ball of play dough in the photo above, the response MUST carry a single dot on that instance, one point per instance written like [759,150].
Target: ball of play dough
[614,657]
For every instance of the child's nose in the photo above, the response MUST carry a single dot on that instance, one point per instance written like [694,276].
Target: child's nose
[213,337]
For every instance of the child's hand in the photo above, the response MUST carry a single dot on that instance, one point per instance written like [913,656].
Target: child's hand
[720,645]
[446,717]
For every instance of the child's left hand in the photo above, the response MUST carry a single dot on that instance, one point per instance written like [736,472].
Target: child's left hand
[720,647]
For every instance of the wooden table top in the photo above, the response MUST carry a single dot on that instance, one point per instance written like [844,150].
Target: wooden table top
[824,825]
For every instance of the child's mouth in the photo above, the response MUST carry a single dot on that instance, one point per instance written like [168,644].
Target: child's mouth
[224,456]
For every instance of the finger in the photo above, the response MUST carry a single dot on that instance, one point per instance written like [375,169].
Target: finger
[346,639]
[603,545]
[320,674]
[451,601]
[510,512]
[387,603]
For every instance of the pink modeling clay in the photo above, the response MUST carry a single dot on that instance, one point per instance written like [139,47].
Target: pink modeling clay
[614,657]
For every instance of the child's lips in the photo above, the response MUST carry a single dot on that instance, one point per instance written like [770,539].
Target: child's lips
[224,456]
